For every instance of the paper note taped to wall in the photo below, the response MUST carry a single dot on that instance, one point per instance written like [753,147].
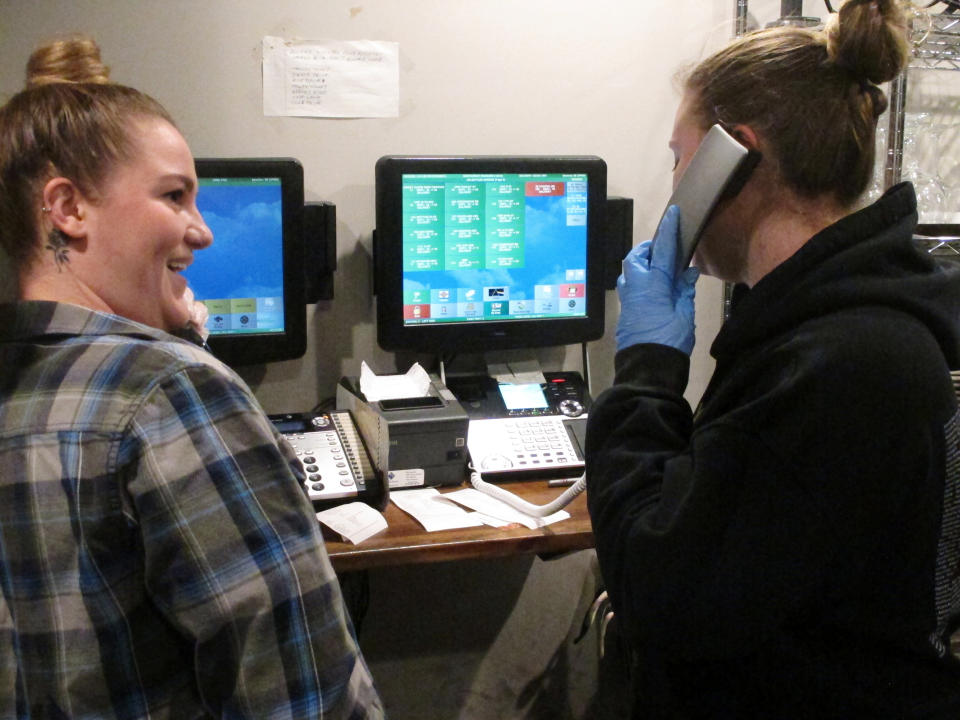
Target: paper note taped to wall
[341,78]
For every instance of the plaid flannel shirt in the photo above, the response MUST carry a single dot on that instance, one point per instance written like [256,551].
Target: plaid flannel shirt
[158,557]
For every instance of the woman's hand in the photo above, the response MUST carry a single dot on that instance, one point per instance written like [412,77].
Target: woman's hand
[198,315]
[655,308]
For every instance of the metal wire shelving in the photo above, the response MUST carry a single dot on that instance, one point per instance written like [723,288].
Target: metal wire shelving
[936,43]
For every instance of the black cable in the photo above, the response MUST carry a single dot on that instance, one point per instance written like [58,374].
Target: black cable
[325,405]
[829,6]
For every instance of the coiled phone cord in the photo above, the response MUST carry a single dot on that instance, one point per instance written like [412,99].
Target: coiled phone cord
[522,505]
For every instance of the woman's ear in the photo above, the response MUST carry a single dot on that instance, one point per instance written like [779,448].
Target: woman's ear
[63,204]
[745,135]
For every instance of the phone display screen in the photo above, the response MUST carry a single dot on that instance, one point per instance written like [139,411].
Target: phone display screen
[523,396]
[291,426]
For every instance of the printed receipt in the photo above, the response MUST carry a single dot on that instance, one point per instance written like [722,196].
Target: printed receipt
[354,521]
[436,511]
[492,507]
[433,511]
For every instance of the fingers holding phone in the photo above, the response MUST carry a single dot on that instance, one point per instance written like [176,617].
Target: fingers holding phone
[656,306]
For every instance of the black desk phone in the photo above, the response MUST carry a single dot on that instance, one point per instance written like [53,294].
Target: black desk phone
[337,466]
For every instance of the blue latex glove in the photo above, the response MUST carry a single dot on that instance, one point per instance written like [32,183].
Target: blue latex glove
[653,307]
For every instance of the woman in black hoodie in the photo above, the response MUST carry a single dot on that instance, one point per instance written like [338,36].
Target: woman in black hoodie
[792,548]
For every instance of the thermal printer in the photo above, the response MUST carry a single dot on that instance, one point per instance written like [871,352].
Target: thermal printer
[421,441]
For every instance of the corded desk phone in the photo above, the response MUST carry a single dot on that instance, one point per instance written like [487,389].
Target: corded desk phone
[336,463]
[524,448]
[528,431]
[525,431]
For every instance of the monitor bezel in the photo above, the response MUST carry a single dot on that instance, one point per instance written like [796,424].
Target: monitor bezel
[259,348]
[479,336]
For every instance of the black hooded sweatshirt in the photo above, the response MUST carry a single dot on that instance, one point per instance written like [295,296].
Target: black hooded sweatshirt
[792,550]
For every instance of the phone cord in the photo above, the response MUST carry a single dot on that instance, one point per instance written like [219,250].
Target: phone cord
[522,505]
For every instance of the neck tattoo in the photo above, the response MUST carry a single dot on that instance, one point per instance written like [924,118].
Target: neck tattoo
[57,244]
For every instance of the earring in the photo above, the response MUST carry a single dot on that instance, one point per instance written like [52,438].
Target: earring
[44,209]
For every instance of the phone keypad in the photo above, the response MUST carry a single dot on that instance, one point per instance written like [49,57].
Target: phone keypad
[326,465]
[518,444]
[539,441]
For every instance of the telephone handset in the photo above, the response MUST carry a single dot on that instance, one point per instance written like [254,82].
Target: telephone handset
[718,170]
[336,463]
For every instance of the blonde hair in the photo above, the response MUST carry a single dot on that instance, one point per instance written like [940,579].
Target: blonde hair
[812,94]
[70,59]
[69,121]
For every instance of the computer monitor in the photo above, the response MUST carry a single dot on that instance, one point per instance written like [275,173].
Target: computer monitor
[252,277]
[477,253]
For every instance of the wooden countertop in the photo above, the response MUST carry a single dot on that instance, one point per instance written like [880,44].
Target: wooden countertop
[406,542]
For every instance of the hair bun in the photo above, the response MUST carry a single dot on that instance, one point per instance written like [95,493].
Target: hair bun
[869,39]
[74,59]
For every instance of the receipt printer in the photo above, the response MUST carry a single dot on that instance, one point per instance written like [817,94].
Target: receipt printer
[424,437]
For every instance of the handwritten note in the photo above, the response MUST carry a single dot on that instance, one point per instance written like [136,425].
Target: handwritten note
[344,78]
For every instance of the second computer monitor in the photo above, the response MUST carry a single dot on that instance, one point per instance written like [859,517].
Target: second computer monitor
[477,253]
[252,277]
